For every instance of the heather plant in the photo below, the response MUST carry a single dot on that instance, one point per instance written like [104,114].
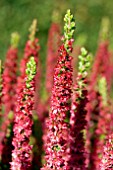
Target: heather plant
[58,128]
[104,126]
[31,49]
[52,55]
[66,122]
[9,84]
[22,153]
[78,122]
[101,68]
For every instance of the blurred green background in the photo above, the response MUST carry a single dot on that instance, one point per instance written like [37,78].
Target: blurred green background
[17,15]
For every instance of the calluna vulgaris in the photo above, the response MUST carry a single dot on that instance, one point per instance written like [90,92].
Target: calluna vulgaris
[72,114]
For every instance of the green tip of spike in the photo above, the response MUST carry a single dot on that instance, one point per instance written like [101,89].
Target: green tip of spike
[69,29]
[30,71]
[105,28]
[84,65]
[33,30]
[15,37]
[56,18]
[84,62]
[102,87]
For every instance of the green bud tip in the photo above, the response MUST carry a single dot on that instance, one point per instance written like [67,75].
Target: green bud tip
[69,28]
[15,39]
[102,87]
[84,62]
[33,30]
[30,71]
[105,29]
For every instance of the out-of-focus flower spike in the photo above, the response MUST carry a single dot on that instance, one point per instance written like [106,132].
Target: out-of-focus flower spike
[104,126]
[102,67]
[9,79]
[52,52]
[104,30]
[78,121]
[31,49]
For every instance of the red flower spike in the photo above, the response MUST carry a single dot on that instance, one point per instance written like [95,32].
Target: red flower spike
[77,153]
[9,79]
[22,153]
[58,128]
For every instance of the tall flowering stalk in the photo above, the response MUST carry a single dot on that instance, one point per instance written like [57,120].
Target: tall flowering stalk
[52,54]
[9,79]
[22,153]
[107,159]
[58,128]
[78,115]
[104,126]
[31,49]
[101,67]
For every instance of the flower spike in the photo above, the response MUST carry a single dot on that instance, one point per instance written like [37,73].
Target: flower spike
[78,115]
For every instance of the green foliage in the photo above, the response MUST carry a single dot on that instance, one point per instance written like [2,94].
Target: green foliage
[30,71]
